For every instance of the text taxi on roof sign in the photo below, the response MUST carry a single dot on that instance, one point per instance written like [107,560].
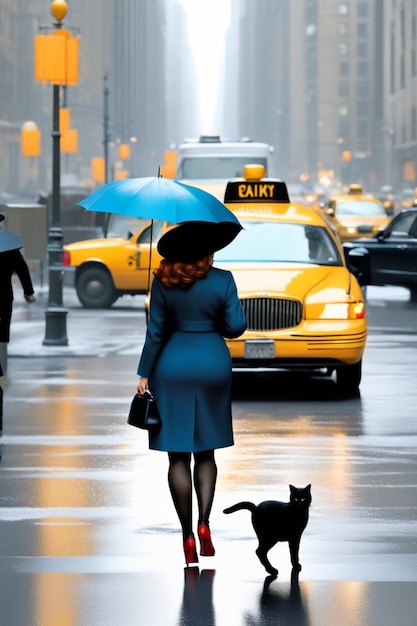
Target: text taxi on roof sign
[255,188]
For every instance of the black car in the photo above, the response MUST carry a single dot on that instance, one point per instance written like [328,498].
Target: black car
[392,254]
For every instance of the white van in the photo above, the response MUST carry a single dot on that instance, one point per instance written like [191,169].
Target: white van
[209,162]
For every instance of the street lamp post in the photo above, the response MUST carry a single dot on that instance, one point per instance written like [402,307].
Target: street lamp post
[56,63]
[106,136]
[56,313]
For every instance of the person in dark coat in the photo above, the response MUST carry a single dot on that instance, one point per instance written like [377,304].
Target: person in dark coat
[11,262]
[186,364]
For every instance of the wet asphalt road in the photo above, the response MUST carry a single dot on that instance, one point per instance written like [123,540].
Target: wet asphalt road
[88,533]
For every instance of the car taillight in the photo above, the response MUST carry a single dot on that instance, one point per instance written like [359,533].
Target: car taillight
[66,258]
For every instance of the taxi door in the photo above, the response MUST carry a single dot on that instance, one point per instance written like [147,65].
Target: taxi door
[147,257]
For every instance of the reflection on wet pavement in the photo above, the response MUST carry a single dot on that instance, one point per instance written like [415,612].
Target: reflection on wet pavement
[89,537]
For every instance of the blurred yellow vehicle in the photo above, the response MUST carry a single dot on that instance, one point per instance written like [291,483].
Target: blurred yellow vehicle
[356,214]
[305,309]
[102,270]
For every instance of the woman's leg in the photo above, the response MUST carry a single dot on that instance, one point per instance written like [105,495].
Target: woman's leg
[205,475]
[180,484]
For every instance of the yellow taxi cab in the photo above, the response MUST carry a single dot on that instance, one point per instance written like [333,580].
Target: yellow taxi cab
[104,269]
[305,309]
[356,214]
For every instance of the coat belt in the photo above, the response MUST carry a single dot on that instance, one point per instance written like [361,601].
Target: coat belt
[196,326]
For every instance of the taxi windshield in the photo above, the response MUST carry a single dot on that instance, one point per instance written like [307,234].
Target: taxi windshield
[123,225]
[360,208]
[281,242]
[223,167]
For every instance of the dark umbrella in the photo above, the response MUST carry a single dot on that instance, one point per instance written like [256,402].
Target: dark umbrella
[9,241]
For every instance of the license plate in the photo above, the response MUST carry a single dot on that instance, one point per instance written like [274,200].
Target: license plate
[259,349]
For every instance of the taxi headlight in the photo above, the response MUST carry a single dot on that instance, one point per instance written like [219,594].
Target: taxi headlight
[336,311]
[358,310]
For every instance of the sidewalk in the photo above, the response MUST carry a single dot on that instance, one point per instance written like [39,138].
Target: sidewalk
[118,330]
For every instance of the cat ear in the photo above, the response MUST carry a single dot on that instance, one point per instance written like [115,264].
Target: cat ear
[308,488]
[292,488]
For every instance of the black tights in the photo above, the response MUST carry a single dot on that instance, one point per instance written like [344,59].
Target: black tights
[181,485]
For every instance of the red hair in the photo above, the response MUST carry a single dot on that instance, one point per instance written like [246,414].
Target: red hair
[182,273]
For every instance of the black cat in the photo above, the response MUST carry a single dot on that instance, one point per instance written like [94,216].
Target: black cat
[279,521]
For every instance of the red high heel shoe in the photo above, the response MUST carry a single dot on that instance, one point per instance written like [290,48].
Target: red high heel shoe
[206,545]
[190,551]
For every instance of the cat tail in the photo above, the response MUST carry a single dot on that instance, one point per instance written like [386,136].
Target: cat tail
[239,506]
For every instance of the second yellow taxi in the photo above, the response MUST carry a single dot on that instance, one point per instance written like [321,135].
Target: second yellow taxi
[356,214]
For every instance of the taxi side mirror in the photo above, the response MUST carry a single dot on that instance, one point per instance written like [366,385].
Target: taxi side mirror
[389,208]
[330,208]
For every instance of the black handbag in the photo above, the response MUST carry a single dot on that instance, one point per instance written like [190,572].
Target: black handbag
[144,412]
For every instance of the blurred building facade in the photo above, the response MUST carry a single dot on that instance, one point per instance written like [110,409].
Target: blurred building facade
[400,92]
[332,84]
[321,64]
[23,99]
[182,117]
[137,82]
[123,40]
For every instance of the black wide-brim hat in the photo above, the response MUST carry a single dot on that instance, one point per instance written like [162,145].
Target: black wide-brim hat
[191,241]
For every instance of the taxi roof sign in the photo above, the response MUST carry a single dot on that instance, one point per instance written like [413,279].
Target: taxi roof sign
[265,190]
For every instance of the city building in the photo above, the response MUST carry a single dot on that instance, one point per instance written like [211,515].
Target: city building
[317,68]
[330,84]
[400,92]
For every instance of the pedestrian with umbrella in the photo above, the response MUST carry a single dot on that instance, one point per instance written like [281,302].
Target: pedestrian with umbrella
[185,361]
[11,262]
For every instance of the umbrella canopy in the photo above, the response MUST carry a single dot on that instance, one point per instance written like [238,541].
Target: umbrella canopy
[159,199]
[194,240]
[9,241]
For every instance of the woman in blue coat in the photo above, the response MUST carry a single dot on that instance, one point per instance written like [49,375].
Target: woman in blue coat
[187,366]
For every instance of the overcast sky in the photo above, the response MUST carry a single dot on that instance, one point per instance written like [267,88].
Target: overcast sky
[207,23]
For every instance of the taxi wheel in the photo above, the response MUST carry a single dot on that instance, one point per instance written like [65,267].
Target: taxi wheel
[348,379]
[95,289]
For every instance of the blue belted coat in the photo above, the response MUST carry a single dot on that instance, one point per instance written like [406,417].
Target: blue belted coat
[188,362]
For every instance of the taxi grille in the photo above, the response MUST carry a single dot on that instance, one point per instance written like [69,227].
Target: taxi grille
[271,313]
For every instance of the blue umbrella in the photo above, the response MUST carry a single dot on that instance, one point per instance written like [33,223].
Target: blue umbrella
[204,223]
[159,199]
[9,241]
